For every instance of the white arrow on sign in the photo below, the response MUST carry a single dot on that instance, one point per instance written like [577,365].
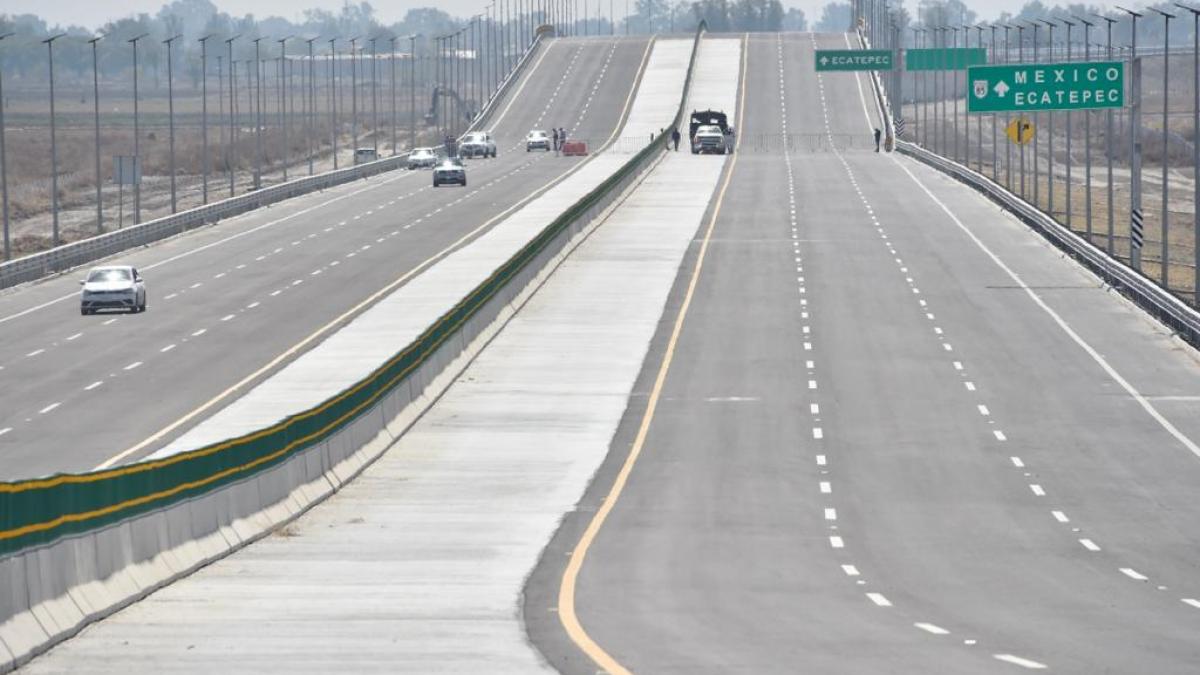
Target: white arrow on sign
[1001,88]
[824,60]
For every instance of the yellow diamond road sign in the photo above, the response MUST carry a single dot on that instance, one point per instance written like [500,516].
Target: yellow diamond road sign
[1020,131]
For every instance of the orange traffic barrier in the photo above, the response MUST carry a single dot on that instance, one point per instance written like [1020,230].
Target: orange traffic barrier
[574,148]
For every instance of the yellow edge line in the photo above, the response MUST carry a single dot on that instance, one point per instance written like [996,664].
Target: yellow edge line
[566,591]
[50,482]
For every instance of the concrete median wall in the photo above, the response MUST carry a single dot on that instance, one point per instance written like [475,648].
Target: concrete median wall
[49,592]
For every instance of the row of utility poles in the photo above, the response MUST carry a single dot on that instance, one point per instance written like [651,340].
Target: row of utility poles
[931,92]
[461,65]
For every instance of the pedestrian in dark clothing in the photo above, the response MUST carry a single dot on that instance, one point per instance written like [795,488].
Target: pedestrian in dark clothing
[675,138]
[878,134]
[555,134]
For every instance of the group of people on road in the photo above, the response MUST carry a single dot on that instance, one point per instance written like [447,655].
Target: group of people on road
[560,137]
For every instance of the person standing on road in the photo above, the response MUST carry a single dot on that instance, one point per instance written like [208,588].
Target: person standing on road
[878,134]
[675,138]
[555,138]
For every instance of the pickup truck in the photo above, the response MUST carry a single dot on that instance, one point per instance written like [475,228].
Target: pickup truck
[710,133]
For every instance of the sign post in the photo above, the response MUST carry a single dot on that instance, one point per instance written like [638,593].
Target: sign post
[1046,86]
[854,59]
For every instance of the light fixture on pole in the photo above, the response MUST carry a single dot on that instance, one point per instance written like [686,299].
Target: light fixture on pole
[49,42]
[4,161]
[170,42]
[283,121]
[204,115]
[96,125]
[311,96]
[232,116]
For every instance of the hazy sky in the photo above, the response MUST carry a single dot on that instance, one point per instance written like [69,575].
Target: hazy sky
[93,14]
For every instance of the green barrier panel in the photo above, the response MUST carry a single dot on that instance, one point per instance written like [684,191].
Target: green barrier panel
[38,511]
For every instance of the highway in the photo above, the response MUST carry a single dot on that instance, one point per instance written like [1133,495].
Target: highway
[230,304]
[889,429]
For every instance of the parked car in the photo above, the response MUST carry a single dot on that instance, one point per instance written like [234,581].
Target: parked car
[537,140]
[112,287]
[451,170]
[364,155]
[477,144]
[422,158]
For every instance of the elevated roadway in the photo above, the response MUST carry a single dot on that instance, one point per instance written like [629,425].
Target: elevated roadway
[231,303]
[889,429]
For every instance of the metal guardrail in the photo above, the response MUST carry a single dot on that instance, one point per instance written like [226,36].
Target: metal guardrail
[1151,297]
[72,255]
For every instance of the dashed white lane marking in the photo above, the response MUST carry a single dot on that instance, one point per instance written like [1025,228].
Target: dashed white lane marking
[93,385]
[1017,462]
[167,348]
[1134,574]
[850,570]
[958,365]
[1191,601]
[1019,661]
[1089,544]
[198,284]
[1037,489]
[133,365]
[814,409]
[818,433]
[821,460]
[983,410]
[969,385]
[253,305]
[5,430]
[836,542]
[879,599]
[36,352]
[826,487]
[73,337]
[227,317]
[172,295]
[275,293]
[931,628]
[830,514]
[1060,516]
[200,332]
[999,435]
[50,407]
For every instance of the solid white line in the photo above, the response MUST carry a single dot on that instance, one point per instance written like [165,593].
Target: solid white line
[50,407]
[930,628]
[1089,544]
[1017,660]
[93,385]
[836,542]
[133,365]
[850,570]
[1133,574]
[1083,344]
[879,600]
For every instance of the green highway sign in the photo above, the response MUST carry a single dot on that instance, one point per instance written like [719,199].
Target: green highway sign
[944,59]
[1046,86]
[854,59]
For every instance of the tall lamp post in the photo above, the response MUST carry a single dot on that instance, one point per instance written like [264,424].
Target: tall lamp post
[1087,132]
[204,115]
[354,95]
[1135,145]
[137,156]
[1108,138]
[3,160]
[392,61]
[412,90]
[258,148]
[1195,150]
[283,119]
[374,96]
[96,126]
[170,42]
[311,96]
[333,97]
[1166,224]
[232,115]
[49,42]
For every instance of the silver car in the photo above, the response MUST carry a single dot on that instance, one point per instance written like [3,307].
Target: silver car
[477,144]
[450,171]
[422,158]
[112,287]
[537,140]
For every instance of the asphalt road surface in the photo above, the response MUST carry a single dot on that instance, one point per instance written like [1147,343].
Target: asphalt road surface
[231,303]
[899,433]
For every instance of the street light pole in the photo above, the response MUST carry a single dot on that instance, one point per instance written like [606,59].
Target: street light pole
[1166,224]
[232,112]
[1070,185]
[1108,140]
[354,96]
[1135,143]
[412,90]
[311,95]
[1050,133]
[374,97]
[96,124]
[392,43]
[333,97]
[1195,151]
[1087,131]
[4,160]
[137,157]
[170,43]
[49,42]
[204,114]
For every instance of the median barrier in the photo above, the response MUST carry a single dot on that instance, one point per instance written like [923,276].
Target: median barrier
[77,547]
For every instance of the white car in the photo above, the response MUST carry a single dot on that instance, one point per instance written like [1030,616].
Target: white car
[450,171]
[422,158]
[537,139]
[112,287]
[477,144]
